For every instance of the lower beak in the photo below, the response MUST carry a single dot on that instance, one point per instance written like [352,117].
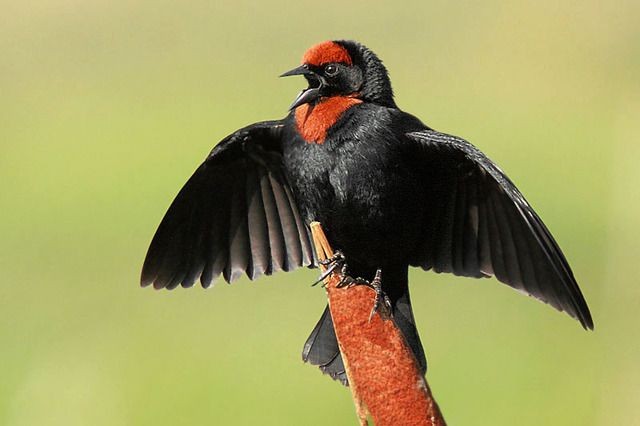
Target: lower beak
[307,95]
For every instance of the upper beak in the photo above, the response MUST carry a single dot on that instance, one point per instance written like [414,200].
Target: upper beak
[301,70]
[307,95]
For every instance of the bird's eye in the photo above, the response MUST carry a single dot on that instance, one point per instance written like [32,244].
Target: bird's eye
[331,70]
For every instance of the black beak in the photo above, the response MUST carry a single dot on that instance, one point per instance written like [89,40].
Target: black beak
[309,94]
[301,70]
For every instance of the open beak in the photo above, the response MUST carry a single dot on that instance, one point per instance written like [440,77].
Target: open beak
[310,94]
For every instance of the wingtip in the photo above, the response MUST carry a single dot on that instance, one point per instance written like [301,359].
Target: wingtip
[145,279]
[580,309]
[148,274]
[582,315]
[158,285]
[587,323]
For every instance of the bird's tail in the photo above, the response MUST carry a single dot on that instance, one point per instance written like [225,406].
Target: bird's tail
[321,348]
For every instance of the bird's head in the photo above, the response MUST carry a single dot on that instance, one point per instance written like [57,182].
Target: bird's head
[343,68]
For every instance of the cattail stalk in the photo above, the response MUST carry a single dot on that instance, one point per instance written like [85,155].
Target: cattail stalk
[384,377]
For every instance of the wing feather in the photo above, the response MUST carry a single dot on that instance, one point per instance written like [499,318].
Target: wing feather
[484,226]
[235,215]
[288,224]
[258,228]
[276,239]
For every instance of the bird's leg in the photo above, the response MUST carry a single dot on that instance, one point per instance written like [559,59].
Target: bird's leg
[382,304]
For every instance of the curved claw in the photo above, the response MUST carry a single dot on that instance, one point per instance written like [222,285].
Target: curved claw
[326,273]
[332,263]
[382,306]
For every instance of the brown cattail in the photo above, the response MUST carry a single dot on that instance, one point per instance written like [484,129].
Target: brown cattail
[384,377]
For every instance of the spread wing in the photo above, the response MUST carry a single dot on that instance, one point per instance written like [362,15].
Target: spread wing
[479,224]
[235,215]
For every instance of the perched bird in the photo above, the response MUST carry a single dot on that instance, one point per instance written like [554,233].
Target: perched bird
[389,191]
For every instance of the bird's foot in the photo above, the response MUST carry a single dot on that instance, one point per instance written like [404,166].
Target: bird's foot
[338,257]
[349,281]
[382,303]
[334,262]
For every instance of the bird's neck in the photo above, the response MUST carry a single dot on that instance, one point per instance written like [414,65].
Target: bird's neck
[314,121]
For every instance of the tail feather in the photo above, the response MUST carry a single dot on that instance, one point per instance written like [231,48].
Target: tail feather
[403,318]
[321,348]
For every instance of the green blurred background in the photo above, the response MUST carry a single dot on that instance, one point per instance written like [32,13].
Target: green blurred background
[106,107]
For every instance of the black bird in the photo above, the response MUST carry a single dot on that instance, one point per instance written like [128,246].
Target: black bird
[389,191]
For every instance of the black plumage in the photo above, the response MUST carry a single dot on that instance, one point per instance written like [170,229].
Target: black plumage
[235,215]
[389,191]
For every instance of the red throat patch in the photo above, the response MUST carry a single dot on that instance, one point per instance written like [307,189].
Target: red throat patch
[326,52]
[313,121]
